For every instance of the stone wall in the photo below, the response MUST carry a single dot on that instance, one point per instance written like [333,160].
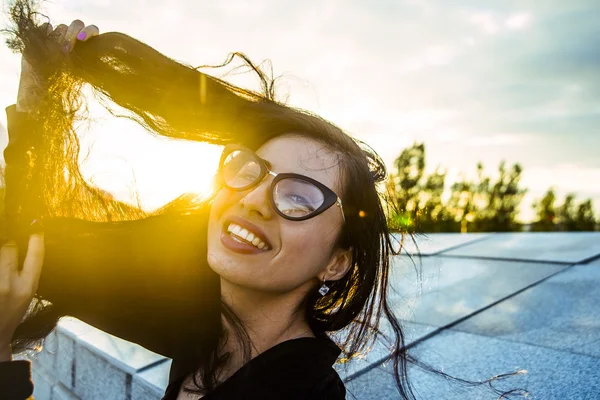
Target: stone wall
[81,362]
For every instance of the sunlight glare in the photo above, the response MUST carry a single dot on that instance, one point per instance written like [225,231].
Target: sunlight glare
[134,166]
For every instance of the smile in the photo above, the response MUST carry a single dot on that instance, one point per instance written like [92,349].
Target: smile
[243,235]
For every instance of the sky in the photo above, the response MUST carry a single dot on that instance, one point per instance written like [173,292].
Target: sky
[474,80]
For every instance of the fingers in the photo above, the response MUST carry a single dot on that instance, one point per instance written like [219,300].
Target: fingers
[71,34]
[68,36]
[34,259]
[48,27]
[75,32]
[88,32]
[60,31]
[8,264]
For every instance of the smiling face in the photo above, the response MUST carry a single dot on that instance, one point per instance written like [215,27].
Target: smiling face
[287,255]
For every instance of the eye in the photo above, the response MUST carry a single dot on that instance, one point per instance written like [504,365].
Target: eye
[301,201]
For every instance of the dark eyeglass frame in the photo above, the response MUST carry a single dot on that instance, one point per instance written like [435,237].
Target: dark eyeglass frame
[330,198]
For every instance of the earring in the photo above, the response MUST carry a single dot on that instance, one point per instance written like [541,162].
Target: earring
[323,289]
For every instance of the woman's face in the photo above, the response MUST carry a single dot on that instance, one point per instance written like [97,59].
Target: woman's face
[296,251]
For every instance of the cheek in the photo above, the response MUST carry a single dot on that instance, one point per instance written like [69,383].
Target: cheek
[306,250]
[223,200]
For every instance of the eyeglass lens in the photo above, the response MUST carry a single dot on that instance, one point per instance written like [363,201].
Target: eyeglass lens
[293,197]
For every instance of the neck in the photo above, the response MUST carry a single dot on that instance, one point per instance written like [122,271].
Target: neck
[268,318]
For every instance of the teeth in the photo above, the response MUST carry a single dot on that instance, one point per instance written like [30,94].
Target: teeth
[240,233]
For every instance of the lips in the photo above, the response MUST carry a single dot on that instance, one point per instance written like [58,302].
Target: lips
[244,237]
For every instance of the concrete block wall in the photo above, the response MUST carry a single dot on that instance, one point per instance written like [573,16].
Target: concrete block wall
[81,362]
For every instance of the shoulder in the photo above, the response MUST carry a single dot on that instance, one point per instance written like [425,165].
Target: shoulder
[299,369]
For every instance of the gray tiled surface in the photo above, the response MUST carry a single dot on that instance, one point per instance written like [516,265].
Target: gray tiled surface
[567,247]
[98,379]
[154,380]
[562,312]
[381,349]
[551,375]
[43,382]
[142,391]
[59,392]
[65,359]
[429,244]
[453,288]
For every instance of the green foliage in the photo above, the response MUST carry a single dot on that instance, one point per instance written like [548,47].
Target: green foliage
[423,203]
[569,216]
[546,212]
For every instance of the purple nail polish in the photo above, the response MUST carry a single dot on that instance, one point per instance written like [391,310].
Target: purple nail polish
[81,36]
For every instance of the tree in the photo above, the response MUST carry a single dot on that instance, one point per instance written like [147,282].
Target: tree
[566,214]
[504,199]
[546,213]
[584,218]
[462,203]
[483,206]
[434,215]
[479,205]
[403,187]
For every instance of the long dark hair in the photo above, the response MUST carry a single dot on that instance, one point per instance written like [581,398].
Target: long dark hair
[178,101]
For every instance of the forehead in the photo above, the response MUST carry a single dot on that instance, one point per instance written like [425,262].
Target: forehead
[302,156]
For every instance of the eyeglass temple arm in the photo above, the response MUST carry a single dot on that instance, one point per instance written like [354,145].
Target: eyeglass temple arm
[339,204]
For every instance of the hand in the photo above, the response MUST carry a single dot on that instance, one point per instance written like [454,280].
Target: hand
[67,36]
[17,287]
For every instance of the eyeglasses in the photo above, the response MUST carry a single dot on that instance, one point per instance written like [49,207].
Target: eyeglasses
[293,196]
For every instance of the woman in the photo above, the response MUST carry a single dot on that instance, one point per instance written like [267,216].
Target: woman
[242,289]
[282,234]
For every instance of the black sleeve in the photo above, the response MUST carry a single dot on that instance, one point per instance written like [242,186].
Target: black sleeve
[15,380]
[145,281]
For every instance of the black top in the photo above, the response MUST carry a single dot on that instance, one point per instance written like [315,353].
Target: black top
[154,289]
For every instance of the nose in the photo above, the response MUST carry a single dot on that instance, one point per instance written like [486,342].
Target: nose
[256,201]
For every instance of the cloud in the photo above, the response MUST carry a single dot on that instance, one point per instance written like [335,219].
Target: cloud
[518,21]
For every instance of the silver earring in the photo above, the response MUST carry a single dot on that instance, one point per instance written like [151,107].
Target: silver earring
[323,289]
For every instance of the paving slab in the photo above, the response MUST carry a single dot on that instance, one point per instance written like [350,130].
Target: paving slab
[381,349]
[563,247]
[562,312]
[43,382]
[98,379]
[152,382]
[59,392]
[434,243]
[440,290]
[551,374]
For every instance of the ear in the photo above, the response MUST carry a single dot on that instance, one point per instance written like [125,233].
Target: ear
[338,267]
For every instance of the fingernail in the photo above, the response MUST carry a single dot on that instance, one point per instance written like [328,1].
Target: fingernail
[81,36]
[67,47]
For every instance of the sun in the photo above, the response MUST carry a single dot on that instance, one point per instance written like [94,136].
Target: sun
[120,157]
